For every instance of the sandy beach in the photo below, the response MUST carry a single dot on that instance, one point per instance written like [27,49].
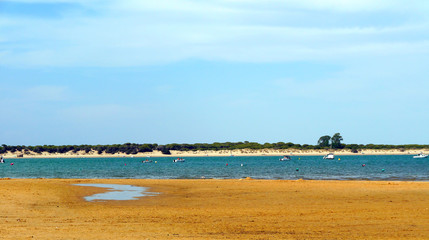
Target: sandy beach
[216,209]
[240,152]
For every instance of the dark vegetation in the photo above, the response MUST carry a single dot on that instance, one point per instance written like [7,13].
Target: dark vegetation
[133,148]
[127,148]
[333,142]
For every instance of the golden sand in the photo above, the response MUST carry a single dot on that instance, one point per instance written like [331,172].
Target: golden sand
[216,209]
[237,152]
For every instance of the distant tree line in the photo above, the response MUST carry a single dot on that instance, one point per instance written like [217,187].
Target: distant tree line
[127,148]
[333,142]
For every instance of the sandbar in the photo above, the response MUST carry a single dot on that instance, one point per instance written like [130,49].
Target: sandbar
[216,209]
[220,153]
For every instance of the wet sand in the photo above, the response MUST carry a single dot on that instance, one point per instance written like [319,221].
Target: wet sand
[216,209]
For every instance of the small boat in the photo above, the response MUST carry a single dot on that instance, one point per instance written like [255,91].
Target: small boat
[421,155]
[329,156]
[285,158]
[147,161]
[1,159]
[178,160]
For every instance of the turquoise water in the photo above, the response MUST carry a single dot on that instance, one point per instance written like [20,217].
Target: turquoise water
[402,167]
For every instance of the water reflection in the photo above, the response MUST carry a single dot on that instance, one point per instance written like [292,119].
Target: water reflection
[117,192]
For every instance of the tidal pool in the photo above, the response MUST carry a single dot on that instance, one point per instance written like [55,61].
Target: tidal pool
[117,192]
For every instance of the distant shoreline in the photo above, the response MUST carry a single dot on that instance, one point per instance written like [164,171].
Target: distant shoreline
[221,153]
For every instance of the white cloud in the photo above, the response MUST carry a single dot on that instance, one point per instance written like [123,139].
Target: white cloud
[20,101]
[272,5]
[45,93]
[349,5]
[94,113]
[130,33]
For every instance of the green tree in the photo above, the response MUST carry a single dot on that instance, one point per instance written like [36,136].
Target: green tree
[324,141]
[336,140]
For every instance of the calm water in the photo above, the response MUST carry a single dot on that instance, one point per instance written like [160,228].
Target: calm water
[116,192]
[309,167]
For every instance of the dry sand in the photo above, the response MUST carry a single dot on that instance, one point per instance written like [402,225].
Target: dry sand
[216,209]
[240,152]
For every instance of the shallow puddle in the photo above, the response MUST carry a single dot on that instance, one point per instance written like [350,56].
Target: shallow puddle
[117,192]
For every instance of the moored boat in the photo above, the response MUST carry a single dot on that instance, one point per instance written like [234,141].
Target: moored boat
[285,158]
[421,155]
[329,156]
[178,160]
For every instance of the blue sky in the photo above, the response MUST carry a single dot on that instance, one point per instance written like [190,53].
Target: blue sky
[176,71]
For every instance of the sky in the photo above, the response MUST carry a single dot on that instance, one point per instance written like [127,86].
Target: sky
[188,71]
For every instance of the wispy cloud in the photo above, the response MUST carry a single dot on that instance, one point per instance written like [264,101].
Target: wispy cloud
[46,93]
[228,64]
[96,113]
[130,33]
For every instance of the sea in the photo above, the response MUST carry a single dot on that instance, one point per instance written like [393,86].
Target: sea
[356,167]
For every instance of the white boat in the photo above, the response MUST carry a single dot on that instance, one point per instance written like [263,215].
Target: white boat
[329,156]
[421,155]
[285,158]
[1,159]
[178,160]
